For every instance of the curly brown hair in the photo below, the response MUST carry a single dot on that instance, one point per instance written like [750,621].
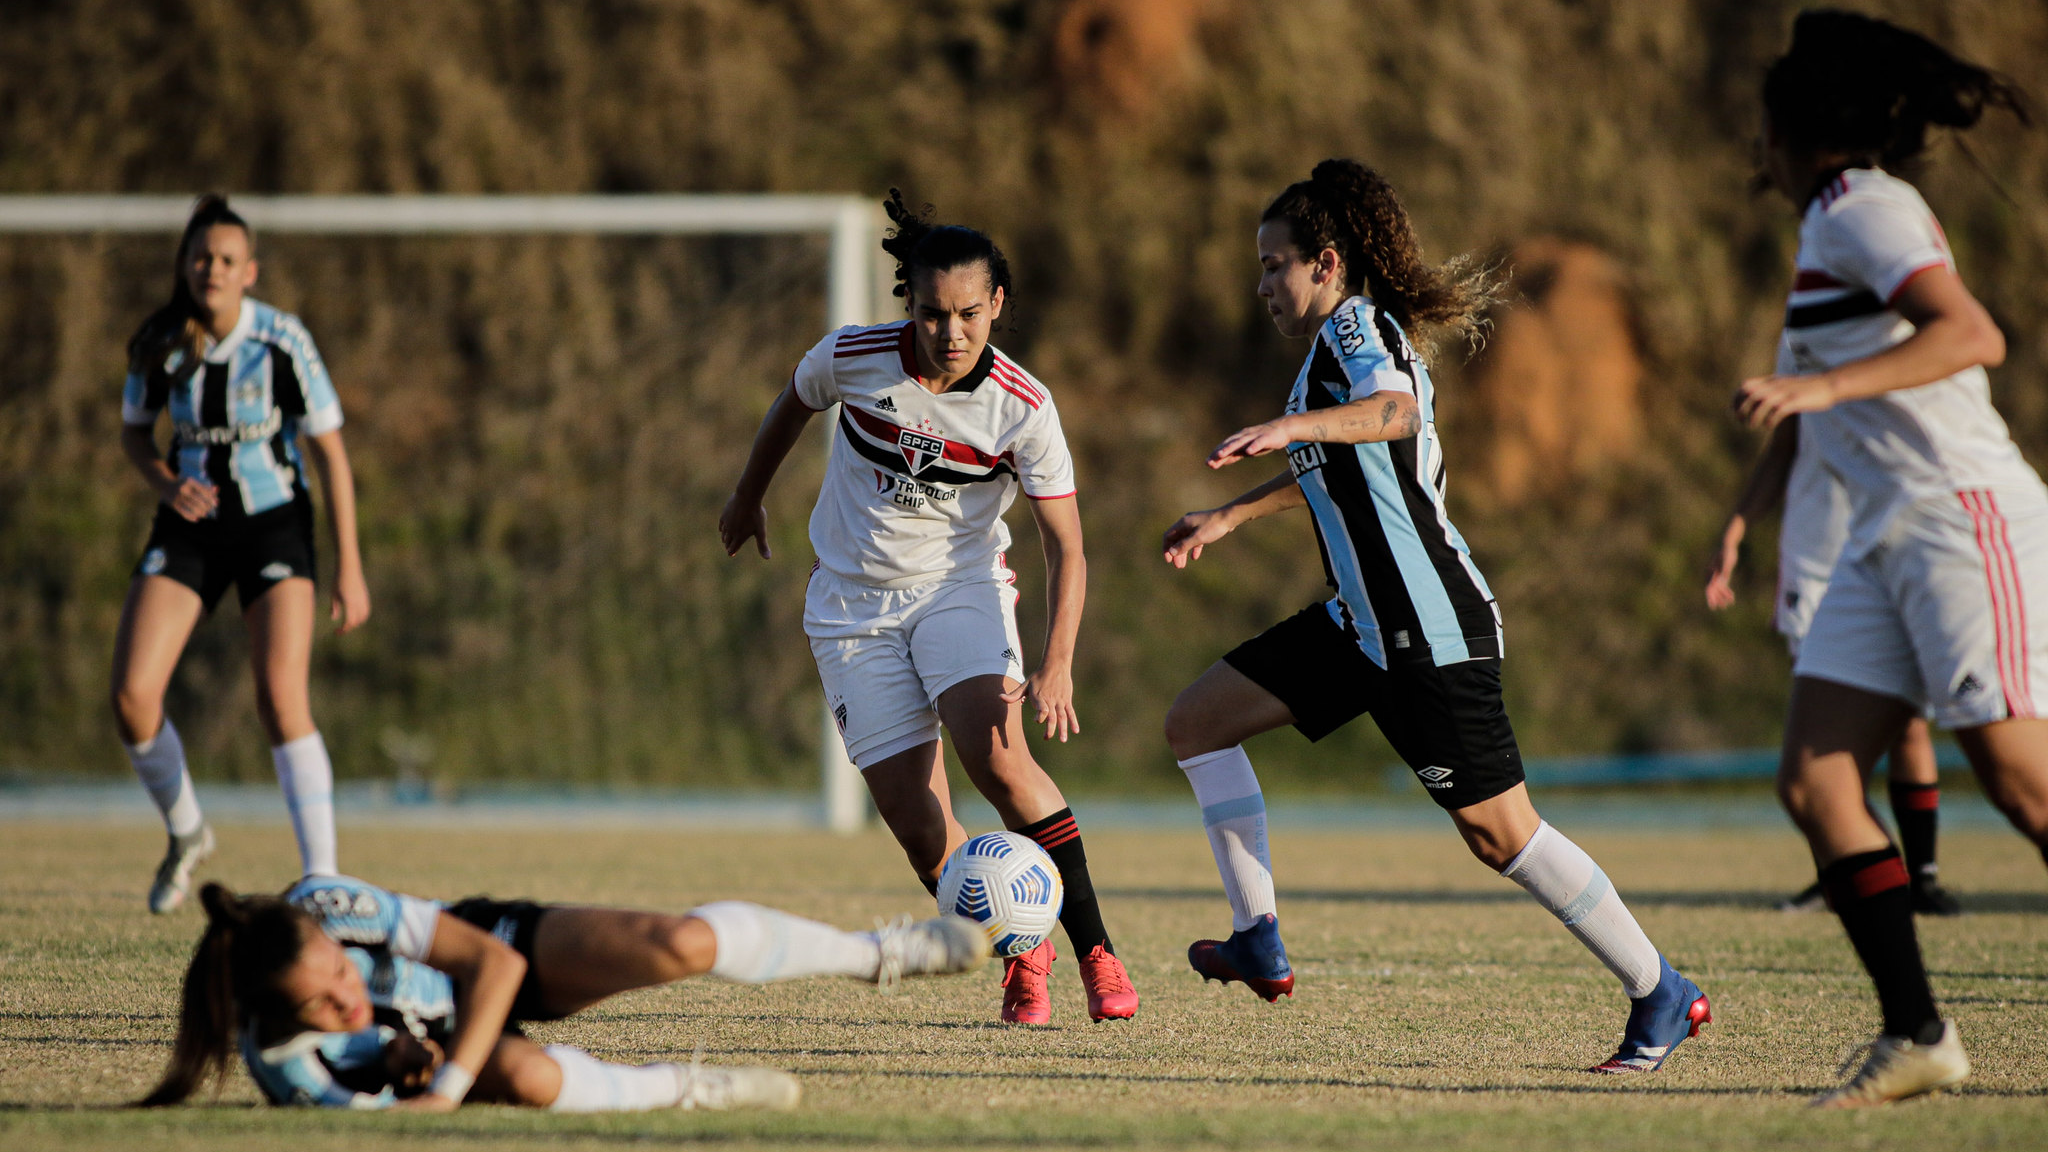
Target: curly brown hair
[920,245]
[1346,206]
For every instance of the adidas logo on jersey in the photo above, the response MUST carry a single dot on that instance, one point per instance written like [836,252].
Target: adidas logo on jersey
[885,405]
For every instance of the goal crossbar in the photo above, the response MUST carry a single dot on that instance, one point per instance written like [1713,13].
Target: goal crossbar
[851,286]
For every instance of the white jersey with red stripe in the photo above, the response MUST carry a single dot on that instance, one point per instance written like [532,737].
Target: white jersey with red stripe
[1863,239]
[918,482]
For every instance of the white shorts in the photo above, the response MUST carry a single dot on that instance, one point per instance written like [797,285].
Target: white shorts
[1936,614]
[1798,599]
[886,655]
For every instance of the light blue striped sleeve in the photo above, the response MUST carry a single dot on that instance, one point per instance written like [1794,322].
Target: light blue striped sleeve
[301,1070]
[1360,334]
[323,403]
[354,912]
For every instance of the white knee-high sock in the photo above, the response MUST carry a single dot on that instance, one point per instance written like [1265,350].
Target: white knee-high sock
[160,762]
[1234,813]
[1562,878]
[759,945]
[307,777]
[593,1085]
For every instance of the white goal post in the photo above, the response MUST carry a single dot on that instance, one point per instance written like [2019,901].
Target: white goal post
[853,288]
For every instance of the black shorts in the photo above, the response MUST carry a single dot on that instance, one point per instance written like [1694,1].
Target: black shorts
[514,922]
[1447,723]
[252,553]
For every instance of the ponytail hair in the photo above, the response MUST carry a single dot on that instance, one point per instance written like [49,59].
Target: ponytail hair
[176,324]
[922,246]
[1346,206]
[249,942]
[1860,86]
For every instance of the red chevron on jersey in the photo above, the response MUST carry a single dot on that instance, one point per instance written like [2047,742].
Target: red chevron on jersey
[918,481]
[920,449]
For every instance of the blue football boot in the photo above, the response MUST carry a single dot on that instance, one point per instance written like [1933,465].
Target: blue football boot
[1255,956]
[1658,1023]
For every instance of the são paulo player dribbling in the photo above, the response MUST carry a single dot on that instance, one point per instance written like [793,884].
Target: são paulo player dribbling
[910,608]
[1882,360]
[1412,635]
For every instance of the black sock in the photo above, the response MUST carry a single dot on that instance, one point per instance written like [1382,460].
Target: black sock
[1081,916]
[1917,808]
[1872,895]
[930,885]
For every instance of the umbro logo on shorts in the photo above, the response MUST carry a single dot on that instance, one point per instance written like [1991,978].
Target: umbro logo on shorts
[153,562]
[277,570]
[1434,777]
[885,405]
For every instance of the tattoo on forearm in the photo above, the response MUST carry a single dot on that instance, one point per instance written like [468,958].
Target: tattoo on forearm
[1387,414]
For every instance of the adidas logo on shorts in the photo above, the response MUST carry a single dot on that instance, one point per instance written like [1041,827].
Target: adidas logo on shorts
[1970,686]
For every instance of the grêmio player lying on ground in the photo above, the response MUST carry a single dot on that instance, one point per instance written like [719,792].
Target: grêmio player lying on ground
[342,994]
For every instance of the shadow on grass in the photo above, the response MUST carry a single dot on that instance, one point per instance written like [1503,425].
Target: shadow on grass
[1982,902]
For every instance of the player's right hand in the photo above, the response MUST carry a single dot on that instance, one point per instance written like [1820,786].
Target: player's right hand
[193,499]
[1189,534]
[743,520]
[1721,573]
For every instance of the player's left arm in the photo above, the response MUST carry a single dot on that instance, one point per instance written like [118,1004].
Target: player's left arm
[1051,687]
[1952,331]
[486,973]
[338,485]
[1386,414]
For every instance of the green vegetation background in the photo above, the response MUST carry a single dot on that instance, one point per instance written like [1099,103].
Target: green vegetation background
[545,429]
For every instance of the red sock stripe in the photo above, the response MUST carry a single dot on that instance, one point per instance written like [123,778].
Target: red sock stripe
[2008,601]
[1882,876]
[1917,797]
[1058,834]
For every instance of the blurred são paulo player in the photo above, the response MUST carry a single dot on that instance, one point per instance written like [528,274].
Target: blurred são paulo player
[1413,635]
[911,606]
[1810,538]
[1882,359]
[344,995]
[242,382]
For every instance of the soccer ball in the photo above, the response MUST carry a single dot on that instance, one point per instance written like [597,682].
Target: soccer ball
[1009,884]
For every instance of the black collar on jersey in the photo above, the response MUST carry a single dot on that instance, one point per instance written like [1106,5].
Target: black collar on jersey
[1828,177]
[969,382]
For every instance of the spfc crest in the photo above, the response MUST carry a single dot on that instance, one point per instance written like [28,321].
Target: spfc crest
[920,450]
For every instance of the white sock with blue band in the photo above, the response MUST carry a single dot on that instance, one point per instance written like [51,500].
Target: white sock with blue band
[307,777]
[1234,815]
[759,945]
[1562,878]
[160,763]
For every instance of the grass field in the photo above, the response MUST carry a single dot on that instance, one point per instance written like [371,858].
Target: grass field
[1438,1007]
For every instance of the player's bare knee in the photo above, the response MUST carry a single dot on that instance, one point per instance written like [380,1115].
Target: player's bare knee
[1186,734]
[137,714]
[688,944]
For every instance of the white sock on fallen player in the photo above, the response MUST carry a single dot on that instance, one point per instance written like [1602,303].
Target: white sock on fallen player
[160,763]
[1562,878]
[758,945]
[593,1085]
[1234,814]
[307,777]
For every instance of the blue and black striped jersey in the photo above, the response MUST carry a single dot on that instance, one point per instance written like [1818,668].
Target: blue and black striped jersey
[386,936]
[1406,585]
[237,411]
